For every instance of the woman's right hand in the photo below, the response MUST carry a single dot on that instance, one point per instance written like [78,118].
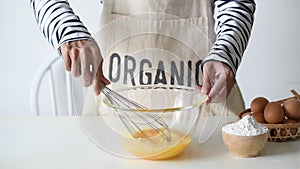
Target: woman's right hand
[83,57]
[218,80]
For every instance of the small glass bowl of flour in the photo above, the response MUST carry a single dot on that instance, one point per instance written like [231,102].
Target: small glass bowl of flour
[245,138]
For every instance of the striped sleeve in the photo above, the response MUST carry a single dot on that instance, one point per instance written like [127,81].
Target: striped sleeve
[233,24]
[58,22]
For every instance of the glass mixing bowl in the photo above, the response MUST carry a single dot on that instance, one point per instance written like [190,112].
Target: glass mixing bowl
[163,129]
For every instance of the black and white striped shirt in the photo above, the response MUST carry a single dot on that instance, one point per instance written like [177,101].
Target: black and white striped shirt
[233,24]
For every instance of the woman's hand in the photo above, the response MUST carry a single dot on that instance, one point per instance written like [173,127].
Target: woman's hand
[218,80]
[83,57]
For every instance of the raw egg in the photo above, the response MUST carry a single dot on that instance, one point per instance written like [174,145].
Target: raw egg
[258,104]
[150,145]
[274,113]
[292,108]
[259,117]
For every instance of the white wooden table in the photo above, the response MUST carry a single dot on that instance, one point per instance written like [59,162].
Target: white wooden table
[60,142]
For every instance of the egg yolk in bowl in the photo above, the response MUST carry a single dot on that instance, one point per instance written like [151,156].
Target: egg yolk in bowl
[151,144]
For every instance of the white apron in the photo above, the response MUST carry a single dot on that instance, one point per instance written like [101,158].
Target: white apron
[157,42]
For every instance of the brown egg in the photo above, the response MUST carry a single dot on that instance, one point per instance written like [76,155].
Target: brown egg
[273,113]
[292,108]
[284,132]
[259,117]
[258,104]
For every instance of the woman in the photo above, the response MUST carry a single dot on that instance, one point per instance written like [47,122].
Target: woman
[233,20]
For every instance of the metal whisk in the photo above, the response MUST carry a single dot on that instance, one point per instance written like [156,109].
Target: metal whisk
[152,120]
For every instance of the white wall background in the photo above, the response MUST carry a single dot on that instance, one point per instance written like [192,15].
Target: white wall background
[270,66]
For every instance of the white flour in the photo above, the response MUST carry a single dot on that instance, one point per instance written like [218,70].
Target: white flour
[247,126]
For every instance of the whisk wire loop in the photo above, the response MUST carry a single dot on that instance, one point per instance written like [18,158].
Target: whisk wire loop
[132,126]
